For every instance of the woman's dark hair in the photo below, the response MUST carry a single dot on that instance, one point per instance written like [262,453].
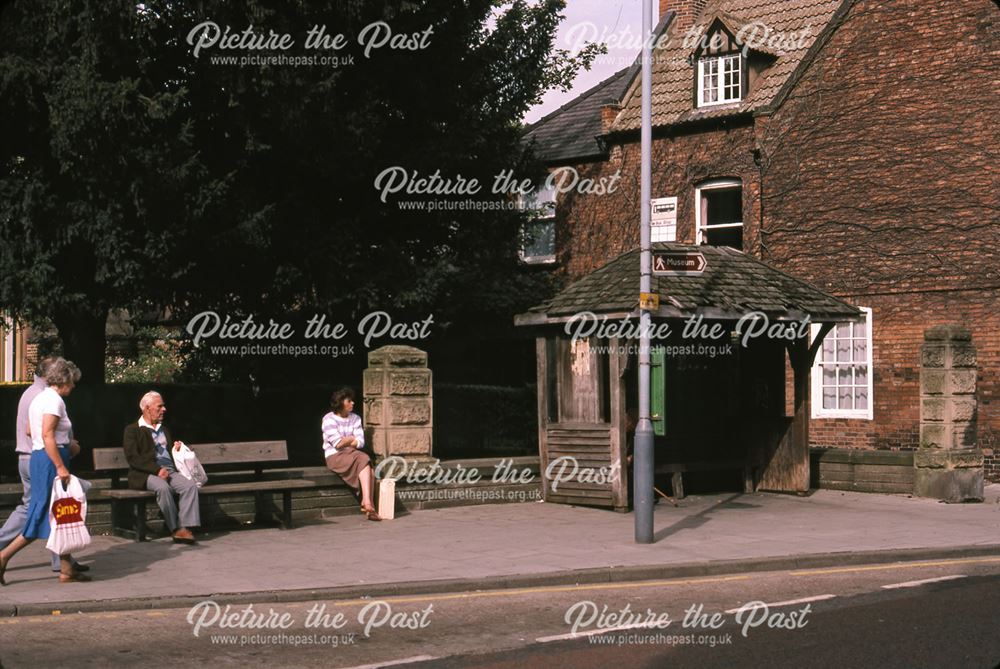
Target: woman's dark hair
[337,401]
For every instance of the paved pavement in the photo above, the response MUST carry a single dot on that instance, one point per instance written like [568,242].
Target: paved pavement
[504,545]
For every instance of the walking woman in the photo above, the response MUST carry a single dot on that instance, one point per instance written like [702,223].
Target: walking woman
[52,449]
[343,437]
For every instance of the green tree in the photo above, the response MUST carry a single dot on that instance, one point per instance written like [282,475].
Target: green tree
[134,173]
[97,168]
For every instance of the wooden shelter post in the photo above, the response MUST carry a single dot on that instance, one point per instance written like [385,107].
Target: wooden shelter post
[541,361]
[619,444]
[787,469]
[801,365]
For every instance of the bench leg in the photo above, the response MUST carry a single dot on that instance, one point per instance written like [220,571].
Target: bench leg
[677,484]
[259,516]
[257,505]
[286,508]
[140,520]
[748,479]
[117,526]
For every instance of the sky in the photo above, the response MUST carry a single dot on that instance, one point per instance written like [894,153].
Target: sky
[617,23]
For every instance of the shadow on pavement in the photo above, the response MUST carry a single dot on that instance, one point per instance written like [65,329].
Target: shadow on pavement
[696,520]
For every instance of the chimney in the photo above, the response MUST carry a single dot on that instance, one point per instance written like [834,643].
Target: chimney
[687,11]
[609,112]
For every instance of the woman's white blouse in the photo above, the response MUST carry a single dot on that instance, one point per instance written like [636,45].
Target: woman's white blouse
[48,403]
[336,428]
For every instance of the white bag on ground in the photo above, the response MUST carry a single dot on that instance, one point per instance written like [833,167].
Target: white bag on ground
[387,499]
[188,466]
[68,518]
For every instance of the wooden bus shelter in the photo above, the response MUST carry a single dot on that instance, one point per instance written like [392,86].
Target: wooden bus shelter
[718,403]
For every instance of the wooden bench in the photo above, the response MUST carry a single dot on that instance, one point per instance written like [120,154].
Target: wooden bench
[249,454]
[677,469]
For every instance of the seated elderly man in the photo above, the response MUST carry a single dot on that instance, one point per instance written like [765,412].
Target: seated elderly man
[151,467]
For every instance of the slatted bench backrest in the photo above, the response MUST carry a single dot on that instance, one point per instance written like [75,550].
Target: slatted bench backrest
[230,453]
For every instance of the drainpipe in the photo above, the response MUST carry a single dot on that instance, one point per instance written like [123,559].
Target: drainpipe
[758,160]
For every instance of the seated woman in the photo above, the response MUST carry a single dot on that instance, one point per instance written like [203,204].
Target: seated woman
[343,437]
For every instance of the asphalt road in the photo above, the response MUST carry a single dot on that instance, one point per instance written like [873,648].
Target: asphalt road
[926,614]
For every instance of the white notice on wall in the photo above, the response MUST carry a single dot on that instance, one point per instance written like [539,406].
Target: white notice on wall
[663,220]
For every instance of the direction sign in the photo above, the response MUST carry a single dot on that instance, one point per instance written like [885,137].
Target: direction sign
[678,263]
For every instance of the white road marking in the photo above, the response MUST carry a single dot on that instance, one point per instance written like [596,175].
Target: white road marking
[405,660]
[914,584]
[804,600]
[582,635]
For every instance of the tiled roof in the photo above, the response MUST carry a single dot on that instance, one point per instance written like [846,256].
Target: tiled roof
[673,74]
[570,132]
[732,285]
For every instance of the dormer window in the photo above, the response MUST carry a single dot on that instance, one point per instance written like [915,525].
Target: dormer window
[720,80]
[724,67]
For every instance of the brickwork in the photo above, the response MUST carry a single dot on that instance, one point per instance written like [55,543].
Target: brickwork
[30,360]
[899,322]
[883,166]
[881,180]
[871,193]
[687,11]
[594,229]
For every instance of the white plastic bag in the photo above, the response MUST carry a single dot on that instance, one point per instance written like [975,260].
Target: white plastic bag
[68,518]
[387,499]
[188,466]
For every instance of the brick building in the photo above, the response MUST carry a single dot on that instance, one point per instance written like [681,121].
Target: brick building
[15,352]
[850,143]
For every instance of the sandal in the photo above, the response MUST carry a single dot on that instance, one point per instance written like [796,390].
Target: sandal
[74,577]
[372,515]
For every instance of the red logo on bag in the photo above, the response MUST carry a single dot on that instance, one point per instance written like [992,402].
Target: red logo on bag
[67,510]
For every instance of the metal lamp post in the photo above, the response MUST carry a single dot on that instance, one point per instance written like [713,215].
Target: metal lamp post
[643,465]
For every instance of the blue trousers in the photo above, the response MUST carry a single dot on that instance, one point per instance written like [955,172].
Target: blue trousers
[16,520]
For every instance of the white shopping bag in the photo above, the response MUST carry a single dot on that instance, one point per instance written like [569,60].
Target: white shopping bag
[387,499]
[188,466]
[67,518]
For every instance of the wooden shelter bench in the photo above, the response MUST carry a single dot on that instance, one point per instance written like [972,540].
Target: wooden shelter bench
[252,454]
[677,469]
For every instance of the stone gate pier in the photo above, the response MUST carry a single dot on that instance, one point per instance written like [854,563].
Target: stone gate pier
[948,464]
[399,400]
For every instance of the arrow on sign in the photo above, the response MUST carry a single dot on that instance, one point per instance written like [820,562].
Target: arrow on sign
[678,263]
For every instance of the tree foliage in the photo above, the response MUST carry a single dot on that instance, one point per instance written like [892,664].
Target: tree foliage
[134,174]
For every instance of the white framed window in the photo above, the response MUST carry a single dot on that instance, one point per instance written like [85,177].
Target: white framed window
[539,245]
[720,80]
[718,213]
[842,371]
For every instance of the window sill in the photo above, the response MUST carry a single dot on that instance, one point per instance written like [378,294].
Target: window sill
[841,415]
[719,105]
[538,260]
